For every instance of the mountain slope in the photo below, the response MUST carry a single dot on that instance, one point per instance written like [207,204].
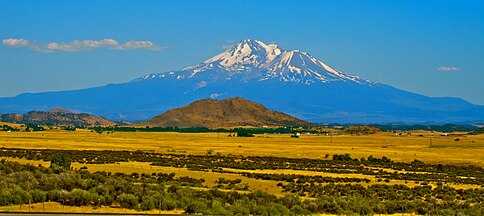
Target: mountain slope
[56,116]
[231,112]
[290,81]
[58,110]
[253,60]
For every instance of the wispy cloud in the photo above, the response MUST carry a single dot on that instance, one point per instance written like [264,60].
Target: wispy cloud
[448,68]
[130,45]
[215,95]
[81,45]
[16,42]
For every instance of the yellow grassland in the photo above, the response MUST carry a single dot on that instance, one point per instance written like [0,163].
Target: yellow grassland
[9,124]
[254,184]
[54,207]
[14,125]
[431,148]
[210,177]
[25,161]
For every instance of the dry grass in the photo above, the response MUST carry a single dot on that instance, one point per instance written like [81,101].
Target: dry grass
[10,124]
[468,150]
[14,125]
[210,177]
[25,161]
[373,179]
[54,207]
[254,184]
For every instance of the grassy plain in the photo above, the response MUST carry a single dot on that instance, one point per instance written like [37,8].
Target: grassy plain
[54,207]
[254,184]
[430,147]
[424,146]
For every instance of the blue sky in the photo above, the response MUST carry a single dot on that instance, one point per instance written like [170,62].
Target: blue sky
[435,48]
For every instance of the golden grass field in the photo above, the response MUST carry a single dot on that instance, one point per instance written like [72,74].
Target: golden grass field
[54,207]
[254,184]
[468,150]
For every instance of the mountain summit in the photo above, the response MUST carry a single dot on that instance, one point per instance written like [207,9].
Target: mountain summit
[254,60]
[227,113]
[290,81]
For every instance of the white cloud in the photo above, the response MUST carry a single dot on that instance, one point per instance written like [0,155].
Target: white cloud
[213,96]
[16,42]
[82,45]
[100,43]
[73,46]
[448,68]
[130,45]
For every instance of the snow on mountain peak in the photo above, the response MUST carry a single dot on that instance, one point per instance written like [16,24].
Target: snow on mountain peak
[253,59]
[247,52]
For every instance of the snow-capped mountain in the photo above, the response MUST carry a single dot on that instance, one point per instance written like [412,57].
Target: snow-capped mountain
[254,60]
[289,81]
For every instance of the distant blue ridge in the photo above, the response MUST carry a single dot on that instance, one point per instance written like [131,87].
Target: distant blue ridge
[292,82]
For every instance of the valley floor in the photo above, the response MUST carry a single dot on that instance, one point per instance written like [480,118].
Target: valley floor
[425,146]
[274,163]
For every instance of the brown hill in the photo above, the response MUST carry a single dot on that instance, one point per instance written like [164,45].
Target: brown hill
[59,110]
[59,117]
[231,112]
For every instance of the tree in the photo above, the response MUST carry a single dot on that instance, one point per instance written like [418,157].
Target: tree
[148,203]
[38,196]
[196,207]
[61,161]
[244,134]
[128,201]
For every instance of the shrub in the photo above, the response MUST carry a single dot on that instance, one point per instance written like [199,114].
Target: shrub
[128,201]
